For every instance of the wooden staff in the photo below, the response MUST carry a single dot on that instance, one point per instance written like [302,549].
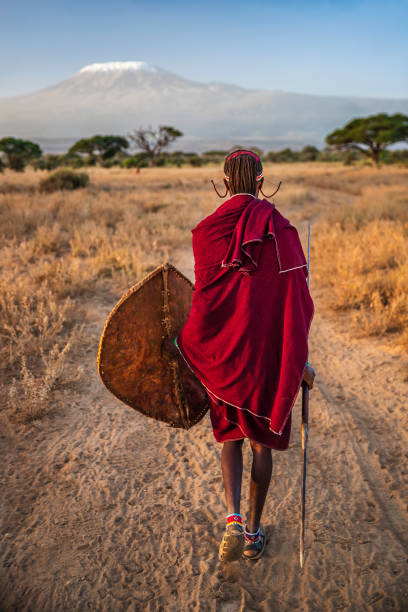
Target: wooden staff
[305,433]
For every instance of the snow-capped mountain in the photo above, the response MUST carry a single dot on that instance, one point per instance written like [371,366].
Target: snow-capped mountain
[117,97]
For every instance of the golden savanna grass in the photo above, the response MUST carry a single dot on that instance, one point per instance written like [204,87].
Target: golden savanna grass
[58,250]
[362,260]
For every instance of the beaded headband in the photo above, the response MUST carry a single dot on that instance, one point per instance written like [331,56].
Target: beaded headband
[258,178]
[244,152]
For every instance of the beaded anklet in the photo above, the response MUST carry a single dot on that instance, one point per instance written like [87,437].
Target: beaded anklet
[234,519]
[252,537]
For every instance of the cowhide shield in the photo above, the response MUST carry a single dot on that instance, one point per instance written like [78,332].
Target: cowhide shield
[133,361]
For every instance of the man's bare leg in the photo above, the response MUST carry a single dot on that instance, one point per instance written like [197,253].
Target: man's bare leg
[260,478]
[232,542]
[231,464]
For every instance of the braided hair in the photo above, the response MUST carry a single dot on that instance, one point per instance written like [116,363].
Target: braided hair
[243,172]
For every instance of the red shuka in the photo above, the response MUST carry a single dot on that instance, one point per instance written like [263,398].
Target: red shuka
[246,337]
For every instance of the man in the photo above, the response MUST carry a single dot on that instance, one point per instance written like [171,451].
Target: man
[246,338]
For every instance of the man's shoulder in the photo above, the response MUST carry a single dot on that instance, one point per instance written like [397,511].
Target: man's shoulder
[281,223]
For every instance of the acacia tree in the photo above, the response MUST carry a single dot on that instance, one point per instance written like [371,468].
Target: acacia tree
[370,135]
[153,142]
[100,147]
[19,152]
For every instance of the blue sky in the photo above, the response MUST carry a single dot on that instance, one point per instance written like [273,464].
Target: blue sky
[342,47]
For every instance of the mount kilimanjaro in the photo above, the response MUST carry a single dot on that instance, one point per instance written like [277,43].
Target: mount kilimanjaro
[117,97]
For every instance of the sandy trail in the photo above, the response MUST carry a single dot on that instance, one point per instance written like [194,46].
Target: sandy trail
[104,509]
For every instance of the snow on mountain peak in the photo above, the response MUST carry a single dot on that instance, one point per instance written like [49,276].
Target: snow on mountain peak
[118,66]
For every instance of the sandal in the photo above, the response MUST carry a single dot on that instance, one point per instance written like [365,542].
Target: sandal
[254,544]
[232,542]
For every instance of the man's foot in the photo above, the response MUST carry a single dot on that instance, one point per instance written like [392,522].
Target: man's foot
[254,544]
[232,542]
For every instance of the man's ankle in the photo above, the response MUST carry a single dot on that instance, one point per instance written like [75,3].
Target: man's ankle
[235,523]
[234,517]
[251,528]
[252,537]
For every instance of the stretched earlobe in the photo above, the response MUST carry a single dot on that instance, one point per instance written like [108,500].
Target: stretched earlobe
[272,194]
[217,192]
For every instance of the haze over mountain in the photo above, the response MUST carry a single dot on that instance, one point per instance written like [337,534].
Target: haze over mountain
[117,97]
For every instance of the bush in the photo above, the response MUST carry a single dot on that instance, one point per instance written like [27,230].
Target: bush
[135,161]
[284,156]
[47,162]
[399,156]
[196,161]
[309,153]
[214,157]
[64,179]
[72,160]
[350,157]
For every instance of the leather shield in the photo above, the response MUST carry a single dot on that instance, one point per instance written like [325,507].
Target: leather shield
[133,361]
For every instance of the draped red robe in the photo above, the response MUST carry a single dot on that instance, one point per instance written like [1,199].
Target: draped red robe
[246,337]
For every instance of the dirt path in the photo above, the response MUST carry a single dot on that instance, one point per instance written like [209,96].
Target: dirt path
[103,509]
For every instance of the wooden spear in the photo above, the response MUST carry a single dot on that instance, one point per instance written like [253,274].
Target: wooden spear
[305,433]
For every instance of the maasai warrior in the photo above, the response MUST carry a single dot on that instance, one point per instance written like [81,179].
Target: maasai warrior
[246,337]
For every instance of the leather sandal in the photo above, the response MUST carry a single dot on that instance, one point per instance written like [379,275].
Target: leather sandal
[254,550]
[232,543]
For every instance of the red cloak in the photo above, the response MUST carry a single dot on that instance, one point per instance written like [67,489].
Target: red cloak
[246,337]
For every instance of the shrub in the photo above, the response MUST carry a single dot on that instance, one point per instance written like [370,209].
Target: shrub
[284,156]
[47,162]
[196,161]
[135,161]
[72,160]
[214,157]
[350,157]
[64,179]
[309,153]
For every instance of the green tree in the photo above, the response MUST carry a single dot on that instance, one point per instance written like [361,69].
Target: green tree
[19,152]
[309,153]
[99,147]
[153,142]
[370,135]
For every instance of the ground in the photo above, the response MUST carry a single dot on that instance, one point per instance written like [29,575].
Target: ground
[105,509]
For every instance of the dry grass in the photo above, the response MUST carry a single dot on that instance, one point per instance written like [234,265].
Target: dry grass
[57,249]
[361,258]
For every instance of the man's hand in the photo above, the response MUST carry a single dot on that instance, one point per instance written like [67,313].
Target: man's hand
[309,376]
